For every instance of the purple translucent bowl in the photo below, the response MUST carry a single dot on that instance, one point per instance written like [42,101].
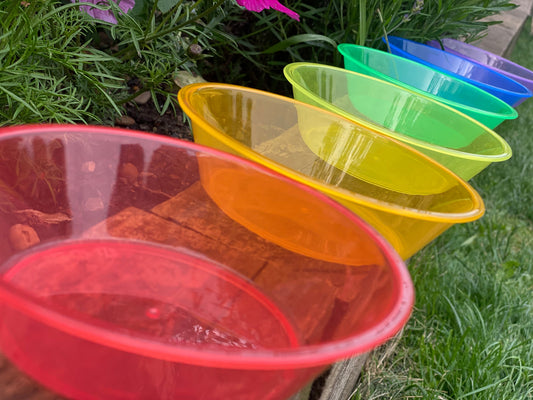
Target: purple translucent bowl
[493,61]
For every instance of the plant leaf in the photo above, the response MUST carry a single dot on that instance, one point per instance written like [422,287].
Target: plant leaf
[297,39]
[166,5]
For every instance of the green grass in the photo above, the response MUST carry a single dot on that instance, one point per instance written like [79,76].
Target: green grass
[470,335]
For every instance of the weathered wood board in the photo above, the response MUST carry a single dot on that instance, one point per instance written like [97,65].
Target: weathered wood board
[501,38]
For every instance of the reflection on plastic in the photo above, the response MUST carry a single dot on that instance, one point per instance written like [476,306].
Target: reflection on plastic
[286,217]
[500,64]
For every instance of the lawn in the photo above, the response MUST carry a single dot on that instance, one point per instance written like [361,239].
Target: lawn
[470,333]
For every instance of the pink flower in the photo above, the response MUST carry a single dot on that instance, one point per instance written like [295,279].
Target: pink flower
[106,15]
[260,5]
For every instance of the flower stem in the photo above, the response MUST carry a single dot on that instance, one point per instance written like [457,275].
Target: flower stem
[362,23]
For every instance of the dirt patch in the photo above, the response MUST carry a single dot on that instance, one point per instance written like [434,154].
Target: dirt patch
[143,115]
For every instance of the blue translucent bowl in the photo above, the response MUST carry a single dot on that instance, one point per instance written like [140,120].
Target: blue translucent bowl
[493,61]
[501,86]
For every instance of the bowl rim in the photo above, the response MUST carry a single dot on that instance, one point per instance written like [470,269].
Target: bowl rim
[510,112]
[496,56]
[506,148]
[476,212]
[523,93]
[280,359]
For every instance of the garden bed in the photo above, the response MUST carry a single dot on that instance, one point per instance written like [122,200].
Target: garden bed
[145,117]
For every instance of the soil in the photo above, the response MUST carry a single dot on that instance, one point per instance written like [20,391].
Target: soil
[142,115]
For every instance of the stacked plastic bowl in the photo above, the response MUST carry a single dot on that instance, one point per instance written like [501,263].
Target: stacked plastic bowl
[488,79]
[137,266]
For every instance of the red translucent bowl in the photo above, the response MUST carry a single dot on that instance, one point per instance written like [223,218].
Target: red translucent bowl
[144,267]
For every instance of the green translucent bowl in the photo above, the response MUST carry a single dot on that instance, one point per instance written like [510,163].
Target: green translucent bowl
[453,139]
[463,96]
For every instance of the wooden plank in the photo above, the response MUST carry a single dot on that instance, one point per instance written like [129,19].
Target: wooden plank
[526,6]
[342,379]
[14,385]
[337,384]
[343,376]
[501,38]
[303,394]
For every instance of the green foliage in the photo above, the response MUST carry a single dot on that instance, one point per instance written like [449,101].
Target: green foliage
[154,45]
[470,334]
[265,42]
[58,64]
[48,70]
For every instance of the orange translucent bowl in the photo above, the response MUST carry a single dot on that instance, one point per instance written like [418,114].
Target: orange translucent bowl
[408,197]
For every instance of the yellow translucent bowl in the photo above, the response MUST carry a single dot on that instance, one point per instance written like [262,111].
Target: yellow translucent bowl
[406,196]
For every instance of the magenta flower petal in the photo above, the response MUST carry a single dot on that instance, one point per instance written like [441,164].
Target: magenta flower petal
[260,5]
[126,5]
[105,15]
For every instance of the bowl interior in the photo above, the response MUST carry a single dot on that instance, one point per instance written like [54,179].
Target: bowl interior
[114,241]
[88,285]
[477,54]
